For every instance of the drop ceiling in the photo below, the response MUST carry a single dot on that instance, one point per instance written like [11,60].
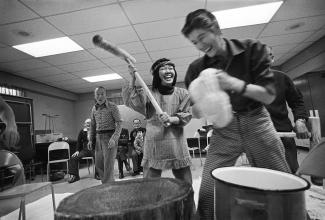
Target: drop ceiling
[148,29]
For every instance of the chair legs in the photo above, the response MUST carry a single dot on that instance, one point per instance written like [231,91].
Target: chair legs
[22,209]
[53,198]
[48,172]
[94,170]
[88,167]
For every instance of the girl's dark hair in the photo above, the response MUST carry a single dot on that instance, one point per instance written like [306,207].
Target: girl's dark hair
[156,81]
[200,18]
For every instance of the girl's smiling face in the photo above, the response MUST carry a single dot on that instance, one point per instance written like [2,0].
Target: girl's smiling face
[166,74]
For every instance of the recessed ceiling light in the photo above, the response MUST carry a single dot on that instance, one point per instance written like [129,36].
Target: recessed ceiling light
[49,47]
[250,15]
[105,77]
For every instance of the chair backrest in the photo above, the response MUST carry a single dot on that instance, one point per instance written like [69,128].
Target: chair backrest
[58,145]
[314,163]
[192,142]
[10,168]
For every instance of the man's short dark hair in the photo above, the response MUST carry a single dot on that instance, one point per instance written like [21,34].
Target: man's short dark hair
[200,19]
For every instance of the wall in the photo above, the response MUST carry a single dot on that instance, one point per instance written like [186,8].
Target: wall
[64,123]
[49,100]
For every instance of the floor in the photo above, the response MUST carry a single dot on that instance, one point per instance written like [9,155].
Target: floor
[87,180]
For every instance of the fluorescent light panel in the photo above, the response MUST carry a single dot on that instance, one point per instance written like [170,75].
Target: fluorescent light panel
[105,77]
[251,15]
[49,47]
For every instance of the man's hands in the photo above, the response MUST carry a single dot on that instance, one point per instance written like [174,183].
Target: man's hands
[10,136]
[228,82]
[301,129]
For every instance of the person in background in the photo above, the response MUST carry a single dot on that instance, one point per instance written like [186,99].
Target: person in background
[288,93]
[9,135]
[136,158]
[106,126]
[138,148]
[246,76]
[82,150]
[122,150]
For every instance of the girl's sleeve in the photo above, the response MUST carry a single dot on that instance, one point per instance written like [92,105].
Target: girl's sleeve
[183,113]
[136,99]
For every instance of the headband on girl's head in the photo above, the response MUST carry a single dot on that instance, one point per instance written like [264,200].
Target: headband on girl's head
[160,64]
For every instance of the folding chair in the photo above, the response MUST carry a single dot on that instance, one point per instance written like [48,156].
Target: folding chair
[193,145]
[9,161]
[92,161]
[60,145]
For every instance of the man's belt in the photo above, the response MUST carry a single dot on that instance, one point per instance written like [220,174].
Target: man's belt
[105,131]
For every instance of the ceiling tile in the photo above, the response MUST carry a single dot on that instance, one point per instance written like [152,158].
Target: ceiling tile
[166,43]
[285,39]
[38,29]
[316,35]
[141,57]
[159,9]
[88,20]
[76,82]
[175,53]
[292,9]
[3,45]
[283,58]
[45,8]
[100,53]
[301,46]
[41,72]
[114,61]
[24,65]
[85,65]
[157,29]
[283,48]
[142,68]
[286,27]
[57,78]
[113,35]
[132,48]
[8,54]
[251,31]
[72,57]
[13,11]
[94,72]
